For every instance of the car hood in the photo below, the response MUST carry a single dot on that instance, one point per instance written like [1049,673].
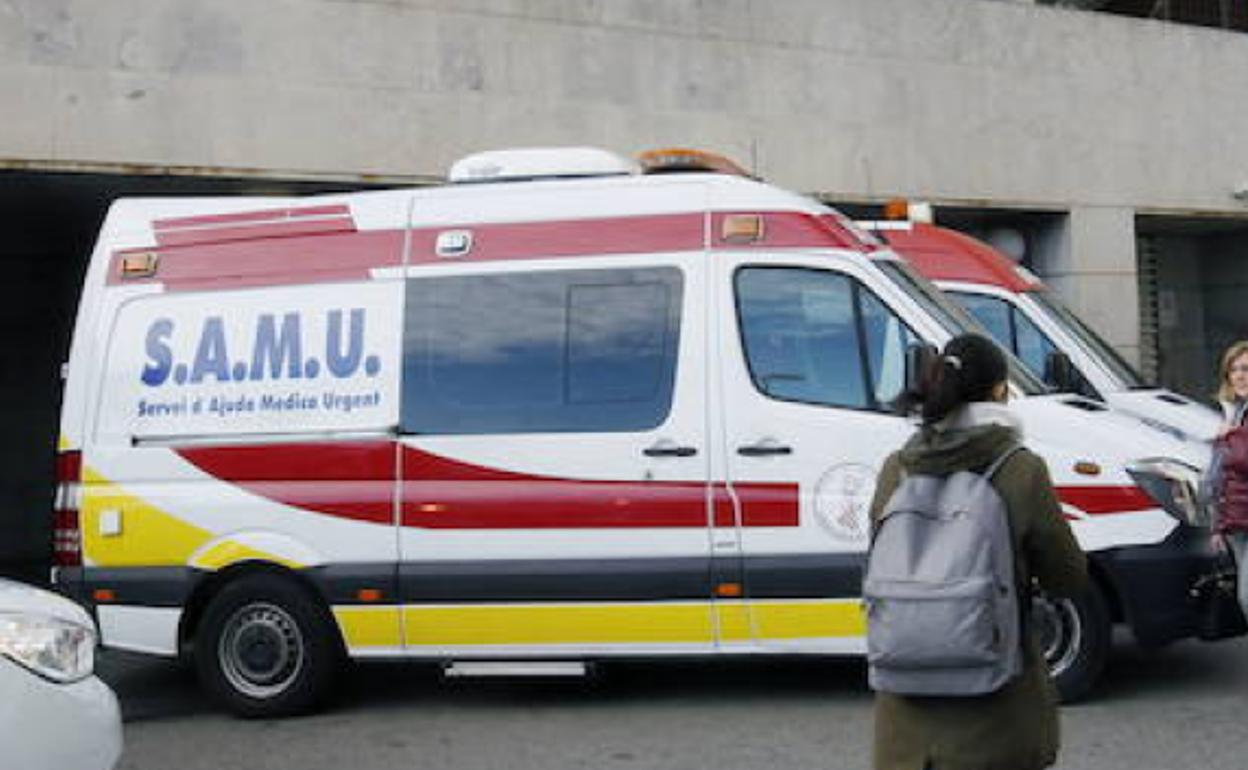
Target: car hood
[21,598]
[1077,428]
[1168,410]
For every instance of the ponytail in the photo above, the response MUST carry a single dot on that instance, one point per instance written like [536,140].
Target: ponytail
[967,370]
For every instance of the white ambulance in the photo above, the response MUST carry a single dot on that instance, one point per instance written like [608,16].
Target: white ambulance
[558,410]
[1026,317]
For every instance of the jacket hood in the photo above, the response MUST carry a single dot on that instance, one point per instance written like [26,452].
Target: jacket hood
[967,439]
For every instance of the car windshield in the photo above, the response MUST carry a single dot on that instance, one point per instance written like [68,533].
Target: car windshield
[1091,341]
[953,317]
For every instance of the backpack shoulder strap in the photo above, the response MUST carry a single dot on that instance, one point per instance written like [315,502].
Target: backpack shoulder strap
[991,470]
[1024,589]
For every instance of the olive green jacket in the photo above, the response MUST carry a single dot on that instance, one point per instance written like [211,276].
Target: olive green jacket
[1015,728]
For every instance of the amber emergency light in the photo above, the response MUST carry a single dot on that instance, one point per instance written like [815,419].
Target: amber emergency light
[902,210]
[677,159]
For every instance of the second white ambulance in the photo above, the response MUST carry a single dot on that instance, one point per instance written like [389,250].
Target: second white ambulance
[1027,318]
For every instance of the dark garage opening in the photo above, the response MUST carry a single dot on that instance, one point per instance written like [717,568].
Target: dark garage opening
[1193,276]
[51,220]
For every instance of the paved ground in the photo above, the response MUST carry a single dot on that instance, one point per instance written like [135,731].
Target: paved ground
[1181,707]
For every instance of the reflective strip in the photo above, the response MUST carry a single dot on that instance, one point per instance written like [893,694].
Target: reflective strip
[558,624]
[809,619]
[444,626]
[228,552]
[364,627]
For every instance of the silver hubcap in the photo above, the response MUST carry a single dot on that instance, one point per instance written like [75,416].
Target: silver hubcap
[261,650]
[1060,631]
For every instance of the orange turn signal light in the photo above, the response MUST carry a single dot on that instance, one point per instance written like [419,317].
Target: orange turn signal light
[139,265]
[729,590]
[742,228]
[369,595]
[104,595]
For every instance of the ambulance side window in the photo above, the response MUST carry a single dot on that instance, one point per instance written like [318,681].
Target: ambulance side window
[560,351]
[818,337]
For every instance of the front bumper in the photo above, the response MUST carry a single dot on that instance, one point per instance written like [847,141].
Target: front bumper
[49,726]
[1153,583]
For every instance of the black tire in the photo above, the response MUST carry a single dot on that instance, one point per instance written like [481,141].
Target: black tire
[1074,636]
[267,647]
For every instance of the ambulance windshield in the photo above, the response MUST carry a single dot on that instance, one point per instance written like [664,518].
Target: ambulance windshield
[952,317]
[1090,340]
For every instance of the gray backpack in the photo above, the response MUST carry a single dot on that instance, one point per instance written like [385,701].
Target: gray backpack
[943,611]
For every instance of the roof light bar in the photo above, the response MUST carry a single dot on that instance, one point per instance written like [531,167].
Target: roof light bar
[902,210]
[682,159]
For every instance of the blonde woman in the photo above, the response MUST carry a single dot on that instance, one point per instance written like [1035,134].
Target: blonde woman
[1231,491]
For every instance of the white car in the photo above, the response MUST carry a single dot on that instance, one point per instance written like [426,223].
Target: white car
[54,713]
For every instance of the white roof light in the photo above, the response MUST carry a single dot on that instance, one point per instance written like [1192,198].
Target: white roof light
[539,163]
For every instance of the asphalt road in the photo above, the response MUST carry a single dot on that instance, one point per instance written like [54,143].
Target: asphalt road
[1180,707]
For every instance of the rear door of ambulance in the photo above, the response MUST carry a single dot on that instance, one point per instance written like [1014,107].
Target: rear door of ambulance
[553,428]
[246,414]
[810,356]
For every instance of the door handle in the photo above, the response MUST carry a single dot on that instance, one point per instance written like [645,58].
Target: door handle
[766,448]
[669,449]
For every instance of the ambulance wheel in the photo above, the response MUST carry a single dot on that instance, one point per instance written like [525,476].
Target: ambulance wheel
[266,647]
[1074,636]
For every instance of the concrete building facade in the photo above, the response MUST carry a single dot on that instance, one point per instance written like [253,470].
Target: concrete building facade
[1092,133]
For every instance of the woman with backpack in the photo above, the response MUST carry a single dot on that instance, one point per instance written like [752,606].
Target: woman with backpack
[966,426]
[1231,448]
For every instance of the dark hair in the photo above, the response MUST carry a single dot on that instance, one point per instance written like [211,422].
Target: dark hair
[967,370]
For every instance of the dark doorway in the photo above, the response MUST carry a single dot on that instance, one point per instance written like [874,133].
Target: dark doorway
[1193,280]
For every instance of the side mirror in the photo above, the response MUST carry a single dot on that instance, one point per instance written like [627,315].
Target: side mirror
[919,358]
[1060,373]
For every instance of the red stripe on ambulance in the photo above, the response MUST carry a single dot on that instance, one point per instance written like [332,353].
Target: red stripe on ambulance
[354,480]
[250,217]
[946,255]
[252,225]
[1097,501]
[273,261]
[273,252]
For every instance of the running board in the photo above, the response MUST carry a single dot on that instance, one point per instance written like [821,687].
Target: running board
[483,668]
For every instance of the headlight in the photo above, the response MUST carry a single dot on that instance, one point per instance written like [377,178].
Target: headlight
[55,649]
[1172,484]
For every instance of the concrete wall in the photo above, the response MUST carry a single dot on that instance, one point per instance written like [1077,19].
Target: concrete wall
[962,101]
[949,99]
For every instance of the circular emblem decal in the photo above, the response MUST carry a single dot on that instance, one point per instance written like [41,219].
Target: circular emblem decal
[842,501]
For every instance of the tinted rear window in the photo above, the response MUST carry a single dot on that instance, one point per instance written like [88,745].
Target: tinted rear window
[584,350]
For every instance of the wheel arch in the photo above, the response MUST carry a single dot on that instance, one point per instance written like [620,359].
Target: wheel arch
[211,586]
